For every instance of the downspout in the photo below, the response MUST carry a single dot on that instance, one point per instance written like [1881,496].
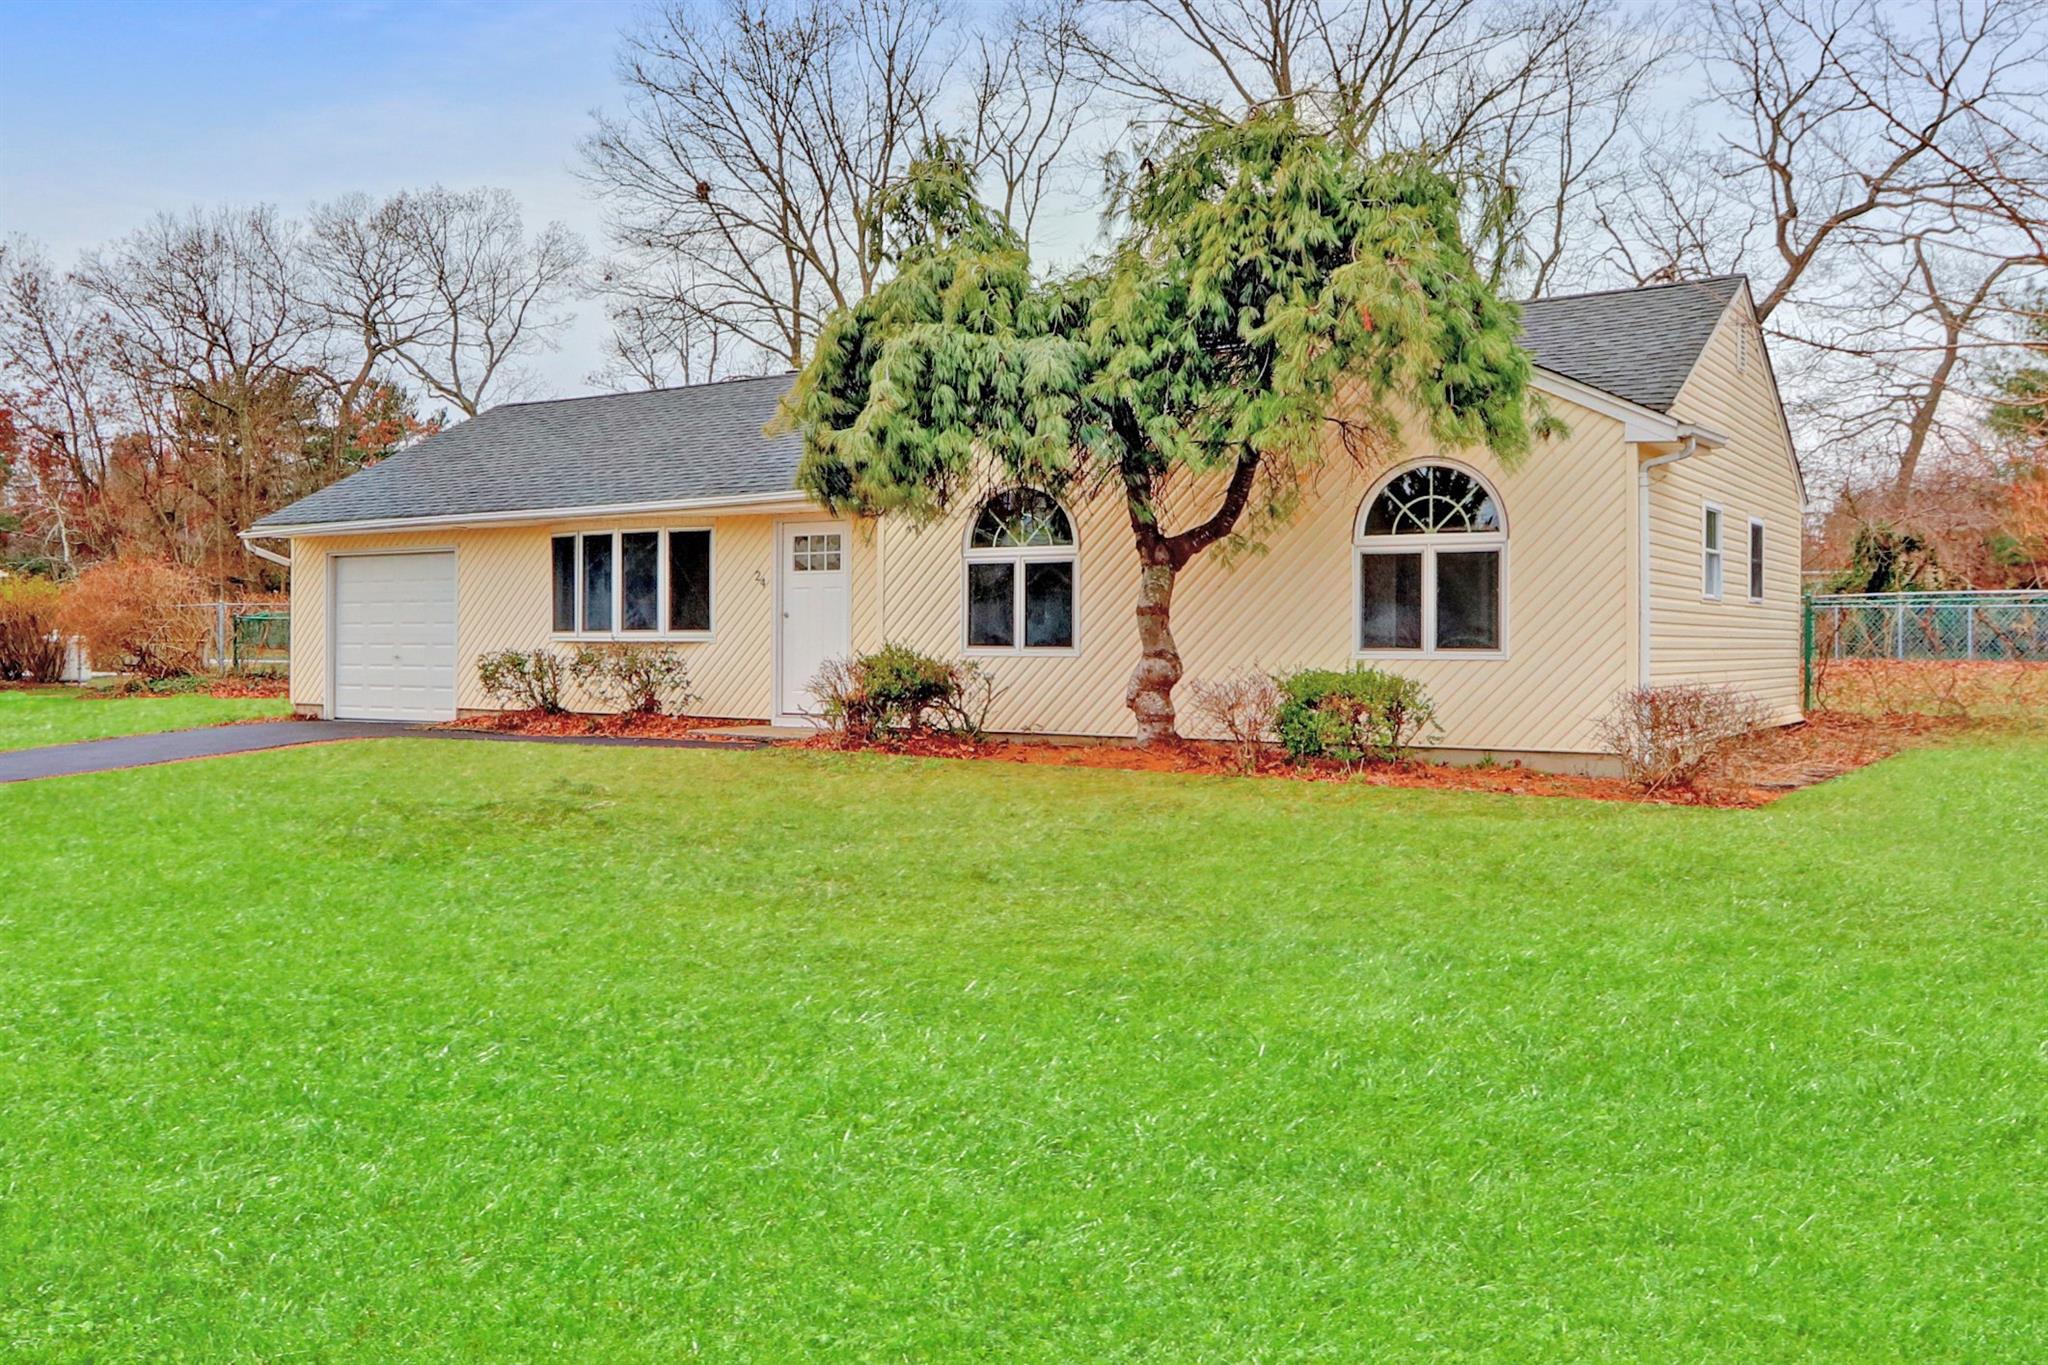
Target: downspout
[1690,448]
[271,556]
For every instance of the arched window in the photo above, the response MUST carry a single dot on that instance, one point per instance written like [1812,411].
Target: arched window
[1431,550]
[1020,574]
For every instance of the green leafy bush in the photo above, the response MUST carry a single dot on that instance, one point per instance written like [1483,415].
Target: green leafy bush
[31,648]
[1353,716]
[896,690]
[646,681]
[529,681]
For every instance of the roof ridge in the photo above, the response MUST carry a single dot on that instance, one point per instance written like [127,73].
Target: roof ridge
[1640,288]
[632,393]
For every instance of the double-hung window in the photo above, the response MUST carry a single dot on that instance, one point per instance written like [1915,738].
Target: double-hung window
[1021,563]
[1712,569]
[1431,554]
[632,584]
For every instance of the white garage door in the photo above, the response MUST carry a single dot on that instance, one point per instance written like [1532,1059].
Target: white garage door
[394,637]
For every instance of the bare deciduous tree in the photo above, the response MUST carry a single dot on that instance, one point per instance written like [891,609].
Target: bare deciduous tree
[1527,102]
[745,182]
[757,140]
[1882,176]
[207,317]
[203,370]
[664,334]
[64,399]
[442,284]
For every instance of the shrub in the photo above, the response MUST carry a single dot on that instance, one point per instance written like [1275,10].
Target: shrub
[179,685]
[896,690]
[529,681]
[140,615]
[1352,716]
[1244,707]
[638,679]
[31,646]
[1673,736]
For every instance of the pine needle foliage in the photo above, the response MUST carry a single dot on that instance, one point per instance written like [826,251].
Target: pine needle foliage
[1273,297]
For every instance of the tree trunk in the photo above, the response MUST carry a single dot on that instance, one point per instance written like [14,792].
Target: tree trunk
[1150,695]
[1161,557]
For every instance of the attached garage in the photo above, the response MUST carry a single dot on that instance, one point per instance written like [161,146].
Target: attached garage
[394,636]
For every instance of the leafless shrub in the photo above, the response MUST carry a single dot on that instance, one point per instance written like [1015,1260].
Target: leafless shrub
[1243,706]
[1673,736]
[965,706]
[532,681]
[137,613]
[635,679]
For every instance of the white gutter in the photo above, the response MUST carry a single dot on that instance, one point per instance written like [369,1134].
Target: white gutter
[1693,440]
[249,539]
[727,505]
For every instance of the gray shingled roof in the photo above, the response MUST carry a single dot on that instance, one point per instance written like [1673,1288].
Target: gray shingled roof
[1639,344]
[675,445]
[651,446]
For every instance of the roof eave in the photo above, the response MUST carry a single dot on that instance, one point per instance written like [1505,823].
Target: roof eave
[737,504]
[1639,423]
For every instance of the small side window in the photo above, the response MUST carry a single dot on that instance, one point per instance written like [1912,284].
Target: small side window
[1710,552]
[1756,560]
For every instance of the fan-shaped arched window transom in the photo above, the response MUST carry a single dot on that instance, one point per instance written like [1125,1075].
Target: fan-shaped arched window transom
[1021,563]
[1431,549]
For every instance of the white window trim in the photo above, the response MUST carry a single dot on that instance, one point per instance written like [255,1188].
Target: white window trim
[1019,556]
[617,634]
[1714,586]
[1427,546]
[1757,580]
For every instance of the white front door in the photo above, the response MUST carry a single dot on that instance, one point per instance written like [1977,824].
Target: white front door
[815,622]
[394,637]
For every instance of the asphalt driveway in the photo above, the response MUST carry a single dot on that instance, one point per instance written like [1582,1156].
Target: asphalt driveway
[214,741]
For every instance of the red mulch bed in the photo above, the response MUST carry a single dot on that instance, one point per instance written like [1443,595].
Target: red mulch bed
[623,726]
[264,687]
[1772,764]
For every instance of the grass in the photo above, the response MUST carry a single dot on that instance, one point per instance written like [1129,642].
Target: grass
[453,1050]
[62,715]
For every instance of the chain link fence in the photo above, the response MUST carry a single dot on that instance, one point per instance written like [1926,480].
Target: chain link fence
[245,636]
[1927,641]
[1989,626]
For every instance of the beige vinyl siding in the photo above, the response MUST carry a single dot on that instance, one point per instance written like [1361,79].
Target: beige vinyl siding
[1568,614]
[503,601]
[1750,646]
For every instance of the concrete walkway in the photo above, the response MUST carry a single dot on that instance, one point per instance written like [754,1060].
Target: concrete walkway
[214,741]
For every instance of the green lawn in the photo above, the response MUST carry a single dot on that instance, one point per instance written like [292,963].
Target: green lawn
[60,715]
[490,1051]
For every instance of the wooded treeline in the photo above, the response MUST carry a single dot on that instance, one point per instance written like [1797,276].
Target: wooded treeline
[170,389]
[1879,171]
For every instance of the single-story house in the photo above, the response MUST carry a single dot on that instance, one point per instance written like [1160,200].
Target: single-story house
[1657,541]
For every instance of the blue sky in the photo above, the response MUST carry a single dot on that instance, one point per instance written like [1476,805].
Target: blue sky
[110,112]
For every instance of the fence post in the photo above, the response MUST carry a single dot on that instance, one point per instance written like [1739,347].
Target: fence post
[220,633]
[1899,633]
[1806,651]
